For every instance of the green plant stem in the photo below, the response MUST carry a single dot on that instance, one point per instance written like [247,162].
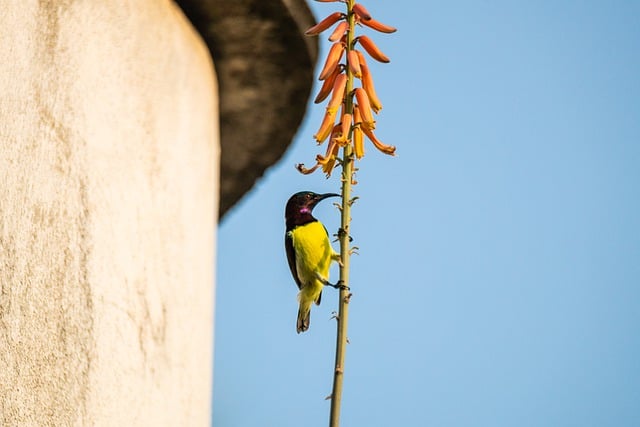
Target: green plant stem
[345,254]
[343,304]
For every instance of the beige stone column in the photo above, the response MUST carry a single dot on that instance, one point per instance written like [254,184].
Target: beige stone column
[108,198]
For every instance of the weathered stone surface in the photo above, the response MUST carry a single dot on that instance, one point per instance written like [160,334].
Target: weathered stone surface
[108,171]
[265,72]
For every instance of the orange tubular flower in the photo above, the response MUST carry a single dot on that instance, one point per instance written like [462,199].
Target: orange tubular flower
[325,127]
[339,31]
[361,11]
[342,138]
[354,110]
[327,86]
[378,26]
[333,58]
[386,149]
[338,94]
[365,109]
[324,24]
[328,161]
[354,63]
[367,84]
[358,136]
[373,51]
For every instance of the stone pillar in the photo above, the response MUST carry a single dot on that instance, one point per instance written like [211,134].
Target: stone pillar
[108,197]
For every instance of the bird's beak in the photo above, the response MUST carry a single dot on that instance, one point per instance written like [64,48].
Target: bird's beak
[321,197]
[325,196]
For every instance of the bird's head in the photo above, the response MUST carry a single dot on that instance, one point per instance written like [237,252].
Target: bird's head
[300,205]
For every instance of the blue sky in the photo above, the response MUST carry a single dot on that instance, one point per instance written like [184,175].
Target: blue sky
[498,281]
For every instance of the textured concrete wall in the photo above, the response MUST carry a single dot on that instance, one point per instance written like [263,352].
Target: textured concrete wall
[108,198]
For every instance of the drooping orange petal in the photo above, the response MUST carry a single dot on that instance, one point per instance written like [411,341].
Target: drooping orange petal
[378,26]
[327,86]
[361,11]
[354,63]
[325,128]
[337,34]
[333,58]
[338,93]
[373,51]
[324,24]
[365,109]
[386,149]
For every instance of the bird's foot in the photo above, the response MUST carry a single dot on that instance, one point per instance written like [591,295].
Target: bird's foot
[338,285]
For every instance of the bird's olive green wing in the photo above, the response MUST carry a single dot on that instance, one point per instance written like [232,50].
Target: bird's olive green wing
[291,257]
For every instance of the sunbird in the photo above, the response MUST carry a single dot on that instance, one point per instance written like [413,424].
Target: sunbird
[309,252]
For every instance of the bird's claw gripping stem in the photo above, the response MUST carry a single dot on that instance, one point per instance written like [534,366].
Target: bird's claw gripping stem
[338,285]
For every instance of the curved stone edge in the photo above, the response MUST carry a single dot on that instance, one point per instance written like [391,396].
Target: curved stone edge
[265,70]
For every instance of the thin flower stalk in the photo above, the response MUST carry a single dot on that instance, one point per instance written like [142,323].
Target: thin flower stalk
[346,131]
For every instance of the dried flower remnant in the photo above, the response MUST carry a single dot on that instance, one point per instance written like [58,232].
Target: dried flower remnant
[358,104]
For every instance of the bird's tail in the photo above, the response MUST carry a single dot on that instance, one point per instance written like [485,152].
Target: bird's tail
[304,316]
[304,313]
[306,298]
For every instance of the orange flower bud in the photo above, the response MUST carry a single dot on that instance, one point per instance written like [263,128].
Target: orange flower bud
[354,63]
[361,11]
[373,51]
[327,86]
[324,24]
[333,58]
[378,26]
[365,109]
[337,34]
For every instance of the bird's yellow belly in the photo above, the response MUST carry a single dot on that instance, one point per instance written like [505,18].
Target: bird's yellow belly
[313,253]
